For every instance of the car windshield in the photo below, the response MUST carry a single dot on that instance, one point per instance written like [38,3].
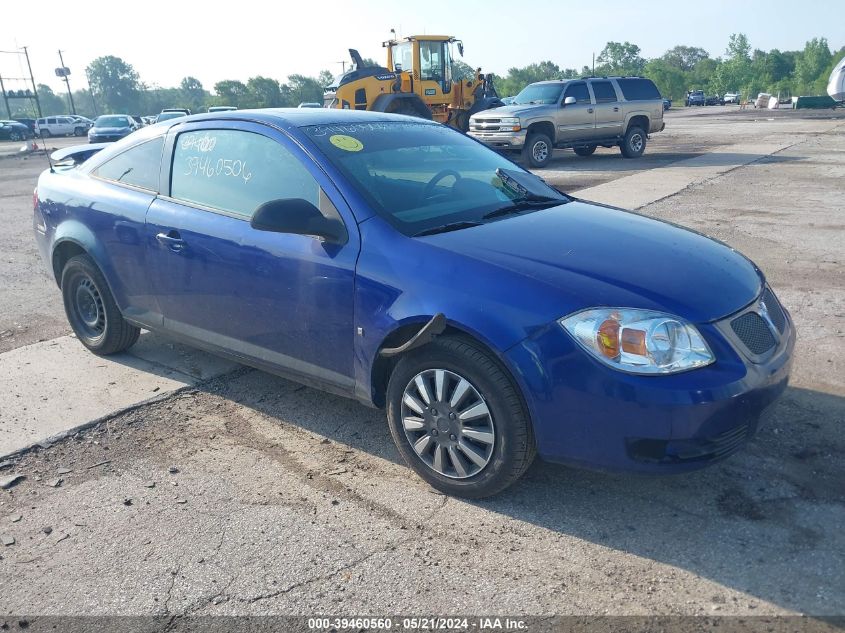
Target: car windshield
[539,93]
[421,176]
[112,121]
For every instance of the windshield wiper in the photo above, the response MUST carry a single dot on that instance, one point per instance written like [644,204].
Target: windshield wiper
[524,204]
[445,228]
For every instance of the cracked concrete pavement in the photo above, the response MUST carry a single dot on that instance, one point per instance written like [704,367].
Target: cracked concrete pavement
[285,500]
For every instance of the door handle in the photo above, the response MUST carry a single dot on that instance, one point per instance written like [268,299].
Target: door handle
[616,109]
[590,110]
[172,240]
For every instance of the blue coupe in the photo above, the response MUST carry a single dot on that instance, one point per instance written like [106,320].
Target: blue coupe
[398,262]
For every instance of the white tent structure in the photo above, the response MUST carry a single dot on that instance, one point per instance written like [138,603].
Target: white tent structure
[836,84]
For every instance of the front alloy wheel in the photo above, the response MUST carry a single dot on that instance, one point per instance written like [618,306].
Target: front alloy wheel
[458,418]
[448,423]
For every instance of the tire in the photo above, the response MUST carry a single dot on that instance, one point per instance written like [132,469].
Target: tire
[585,150]
[502,440]
[538,150]
[78,131]
[14,135]
[91,311]
[633,145]
[45,133]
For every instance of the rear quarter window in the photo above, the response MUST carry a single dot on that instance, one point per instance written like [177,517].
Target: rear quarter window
[638,89]
[138,166]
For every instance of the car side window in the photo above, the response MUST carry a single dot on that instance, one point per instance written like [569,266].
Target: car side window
[237,171]
[579,91]
[138,166]
[604,91]
[51,121]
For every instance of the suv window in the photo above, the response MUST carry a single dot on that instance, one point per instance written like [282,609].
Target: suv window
[604,91]
[138,166]
[638,89]
[51,121]
[579,91]
[237,171]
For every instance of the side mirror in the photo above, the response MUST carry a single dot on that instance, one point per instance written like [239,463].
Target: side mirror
[299,217]
[569,101]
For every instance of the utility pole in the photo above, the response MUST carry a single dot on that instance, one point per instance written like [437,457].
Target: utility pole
[594,64]
[65,73]
[32,79]
[342,66]
[91,92]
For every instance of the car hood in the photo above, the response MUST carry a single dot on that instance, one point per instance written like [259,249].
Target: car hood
[110,130]
[586,255]
[510,110]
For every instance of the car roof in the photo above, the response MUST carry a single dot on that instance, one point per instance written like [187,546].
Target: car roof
[299,117]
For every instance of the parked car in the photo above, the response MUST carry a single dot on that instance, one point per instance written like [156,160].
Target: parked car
[581,114]
[310,104]
[84,120]
[14,131]
[508,100]
[491,315]
[714,100]
[667,103]
[731,97]
[221,108]
[59,126]
[694,98]
[111,127]
[167,115]
[30,123]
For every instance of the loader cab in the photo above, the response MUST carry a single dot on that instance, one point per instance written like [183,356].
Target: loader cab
[426,59]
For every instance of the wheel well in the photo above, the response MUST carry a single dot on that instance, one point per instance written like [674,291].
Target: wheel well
[383,366]
[544,127]
[62,253]
[639,121]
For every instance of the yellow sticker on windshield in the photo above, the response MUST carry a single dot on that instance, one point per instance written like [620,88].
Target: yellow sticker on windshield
[348,143]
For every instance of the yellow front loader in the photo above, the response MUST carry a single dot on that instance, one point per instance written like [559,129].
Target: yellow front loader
[417,81]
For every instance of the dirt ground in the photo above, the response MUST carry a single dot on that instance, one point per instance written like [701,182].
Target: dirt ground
[253,495]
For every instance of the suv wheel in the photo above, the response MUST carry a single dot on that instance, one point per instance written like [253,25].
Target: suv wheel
[44,133]
[458,419]
[585,150]
[633,145]
[78,131]
[538,150]
[91,310]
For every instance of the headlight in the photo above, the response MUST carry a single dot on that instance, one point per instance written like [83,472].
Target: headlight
[510,122]
[639,341]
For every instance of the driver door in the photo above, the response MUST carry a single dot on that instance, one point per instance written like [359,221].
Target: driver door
[280,301]
[576,121]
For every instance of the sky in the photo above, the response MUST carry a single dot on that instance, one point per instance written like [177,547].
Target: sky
[166,41]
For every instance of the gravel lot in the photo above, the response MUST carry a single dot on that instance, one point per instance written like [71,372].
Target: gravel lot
[285,500]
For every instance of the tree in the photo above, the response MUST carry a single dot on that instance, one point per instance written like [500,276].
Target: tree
[304,89]
[264,93]
[325,78]
[461,71]
[811,65]
[116,84]
[51,103]
[232,92]
[620,59]
[193,95]
[684,58]
[669,78]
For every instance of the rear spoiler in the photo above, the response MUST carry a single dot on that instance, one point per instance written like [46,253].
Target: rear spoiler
[77,154]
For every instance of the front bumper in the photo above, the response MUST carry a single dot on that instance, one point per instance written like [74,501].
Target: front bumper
[587,414]
[500,140]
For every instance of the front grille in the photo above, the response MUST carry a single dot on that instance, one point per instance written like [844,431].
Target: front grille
[754,333]
[774,309]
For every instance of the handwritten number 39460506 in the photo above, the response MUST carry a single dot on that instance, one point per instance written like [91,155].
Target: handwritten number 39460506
[210,168]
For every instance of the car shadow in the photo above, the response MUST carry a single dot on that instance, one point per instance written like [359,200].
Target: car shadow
[762,522]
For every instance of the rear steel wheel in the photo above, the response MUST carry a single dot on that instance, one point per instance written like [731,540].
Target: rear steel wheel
[448,423]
